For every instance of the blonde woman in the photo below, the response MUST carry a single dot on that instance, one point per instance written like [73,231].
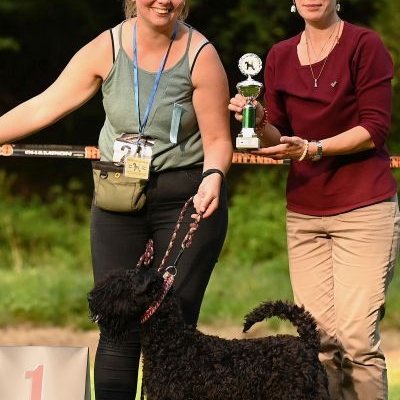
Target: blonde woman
[165,96]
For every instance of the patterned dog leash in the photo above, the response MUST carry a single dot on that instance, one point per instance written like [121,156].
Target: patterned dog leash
[169,272]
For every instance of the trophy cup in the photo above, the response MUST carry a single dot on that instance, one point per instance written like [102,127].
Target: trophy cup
[249,64]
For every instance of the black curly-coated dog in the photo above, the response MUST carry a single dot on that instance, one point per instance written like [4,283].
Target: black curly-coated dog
[182,363]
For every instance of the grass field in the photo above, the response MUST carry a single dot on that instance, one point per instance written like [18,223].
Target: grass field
[393,365]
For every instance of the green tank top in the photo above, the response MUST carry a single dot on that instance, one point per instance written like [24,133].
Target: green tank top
[172,122]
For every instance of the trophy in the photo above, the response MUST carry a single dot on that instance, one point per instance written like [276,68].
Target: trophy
[249,64]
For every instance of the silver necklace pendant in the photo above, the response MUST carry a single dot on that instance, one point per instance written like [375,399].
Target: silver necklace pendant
[336,41]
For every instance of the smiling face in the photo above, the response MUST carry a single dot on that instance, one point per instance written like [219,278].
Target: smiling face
[317,11]
[177,9]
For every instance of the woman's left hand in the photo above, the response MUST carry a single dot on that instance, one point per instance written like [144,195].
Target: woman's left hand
[206,199]
[290,147]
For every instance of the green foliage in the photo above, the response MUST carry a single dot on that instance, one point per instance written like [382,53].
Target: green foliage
[394,392]
[387,23]
[35,234]
[253,26]
[7,43]
[392,316]
[45,267]
[54,296]
[8,6]
[257,216]
[237,287]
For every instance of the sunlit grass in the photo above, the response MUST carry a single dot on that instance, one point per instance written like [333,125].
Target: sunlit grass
[393,366]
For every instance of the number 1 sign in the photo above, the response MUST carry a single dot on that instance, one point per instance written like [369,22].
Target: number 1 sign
[44,373]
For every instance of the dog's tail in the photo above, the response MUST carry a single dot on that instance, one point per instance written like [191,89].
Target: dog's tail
[298,316]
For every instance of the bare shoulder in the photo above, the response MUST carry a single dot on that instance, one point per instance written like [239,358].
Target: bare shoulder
[202,51]
[100,45]
[199,40]
[207,68]
[98,54]
[198,37]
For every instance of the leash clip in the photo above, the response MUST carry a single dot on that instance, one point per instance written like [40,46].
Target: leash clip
[170,271]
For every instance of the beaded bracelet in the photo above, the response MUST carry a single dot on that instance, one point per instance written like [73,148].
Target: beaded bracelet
[303,156]
[263,122]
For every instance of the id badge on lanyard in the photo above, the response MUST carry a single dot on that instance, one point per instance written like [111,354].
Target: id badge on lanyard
[135,153]
[137,167]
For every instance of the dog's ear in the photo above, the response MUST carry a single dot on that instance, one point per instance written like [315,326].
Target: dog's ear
[147,281]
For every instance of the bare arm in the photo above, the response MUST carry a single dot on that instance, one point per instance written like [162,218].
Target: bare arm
[77,83]
[210,99]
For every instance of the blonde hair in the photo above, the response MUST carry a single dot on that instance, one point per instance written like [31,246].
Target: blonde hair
[130,9]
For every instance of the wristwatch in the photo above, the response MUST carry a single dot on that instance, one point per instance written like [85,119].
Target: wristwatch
[318,155]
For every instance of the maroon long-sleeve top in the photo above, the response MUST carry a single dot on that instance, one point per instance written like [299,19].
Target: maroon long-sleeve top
[354,89]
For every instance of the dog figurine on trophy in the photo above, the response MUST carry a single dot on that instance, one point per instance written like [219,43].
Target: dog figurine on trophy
[250,65]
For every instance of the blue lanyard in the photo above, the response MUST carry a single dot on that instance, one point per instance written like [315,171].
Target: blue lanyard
[156,81]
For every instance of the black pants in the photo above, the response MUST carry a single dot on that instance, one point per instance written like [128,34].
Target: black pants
[118,240]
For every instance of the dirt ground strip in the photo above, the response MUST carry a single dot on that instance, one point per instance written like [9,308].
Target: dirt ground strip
[53,336]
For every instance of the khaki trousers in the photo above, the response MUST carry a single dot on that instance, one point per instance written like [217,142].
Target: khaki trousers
[340,269]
